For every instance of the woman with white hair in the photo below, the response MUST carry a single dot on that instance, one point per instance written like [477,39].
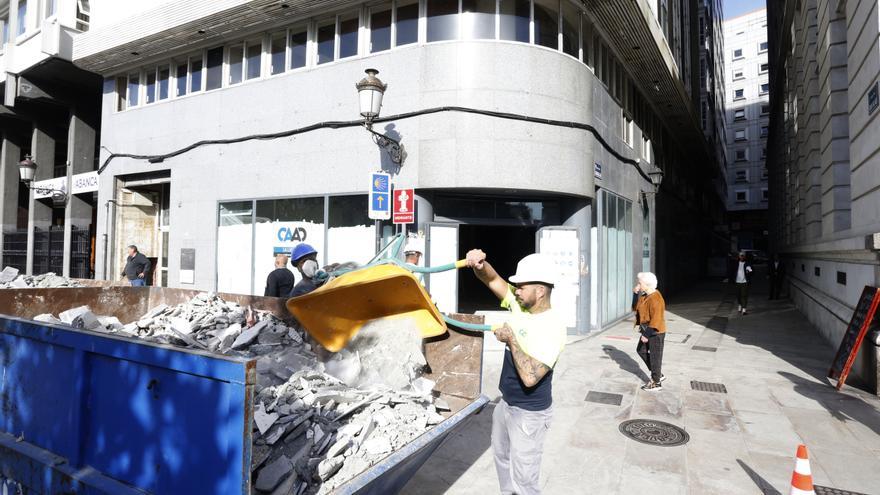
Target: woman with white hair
[650,311]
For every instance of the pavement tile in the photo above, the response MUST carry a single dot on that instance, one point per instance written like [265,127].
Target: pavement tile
[708,421]
[768,433]
[847,471]
[709,402]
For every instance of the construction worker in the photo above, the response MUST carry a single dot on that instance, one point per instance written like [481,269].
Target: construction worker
[305,259]
[280,282]
[414,249]
[534,338]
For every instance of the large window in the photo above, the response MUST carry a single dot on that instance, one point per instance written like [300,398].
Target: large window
[514,20]
[348,35]
[547,23]
[380,28]
[478,19]
[617,250]
[407,13]
[570,26]
[351,235]
[21,20]
[214,76]
[280,225]
[325,39]
[442,20]
[235,247]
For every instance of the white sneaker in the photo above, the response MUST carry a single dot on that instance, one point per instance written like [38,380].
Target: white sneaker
[740,309]
[744,311]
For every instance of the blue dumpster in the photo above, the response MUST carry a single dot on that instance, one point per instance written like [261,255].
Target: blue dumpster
[87,412]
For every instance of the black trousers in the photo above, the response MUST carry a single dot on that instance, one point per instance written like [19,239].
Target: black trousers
[651,353]
[775,286]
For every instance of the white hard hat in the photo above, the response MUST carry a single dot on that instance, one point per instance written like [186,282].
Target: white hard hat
[414,244]
[535,268]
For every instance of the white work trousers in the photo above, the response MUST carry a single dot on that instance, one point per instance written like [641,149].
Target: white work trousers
[518,442]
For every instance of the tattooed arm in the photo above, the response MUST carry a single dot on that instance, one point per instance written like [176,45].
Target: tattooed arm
[529,369]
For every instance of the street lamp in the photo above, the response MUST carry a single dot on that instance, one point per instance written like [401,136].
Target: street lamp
[27,168]
[371,90]
[656,176]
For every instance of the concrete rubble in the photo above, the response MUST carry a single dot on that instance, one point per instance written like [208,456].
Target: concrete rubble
[319,419]
[10,278]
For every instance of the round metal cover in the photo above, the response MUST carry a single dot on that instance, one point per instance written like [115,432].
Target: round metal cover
[653,432]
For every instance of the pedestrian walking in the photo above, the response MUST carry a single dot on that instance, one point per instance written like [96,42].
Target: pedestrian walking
[534,338]
[280,282]
[777,273]
[137,266]
[650,311]
[741,276]
[305,259]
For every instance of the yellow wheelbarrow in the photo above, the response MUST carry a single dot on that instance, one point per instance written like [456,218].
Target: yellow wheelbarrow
[335,312]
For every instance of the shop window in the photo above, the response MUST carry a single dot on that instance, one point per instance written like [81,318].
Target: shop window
[326,38]
[442,20]
[616,252]
[298,45]
[280,225]
[234,247]
[277,53]
[351,235]
[514,20]
[547,23]
[380,28]
[407,25]
[570,25]
[478,19]
[348,34]
[214,64]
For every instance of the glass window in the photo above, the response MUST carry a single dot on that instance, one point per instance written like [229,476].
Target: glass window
[478,19]
[51,7]
[151,86]
[738,93]
[765,88]
[164,77]
[22,18]
[326,38]
[740,135]
[514,20]
[298,44]
[195,74]
[764,67]
[547,23]
[351,235]
[442,20]
[380,28]
[214,64]
[763,46]
[765,109]
[742,196]
[254,59]
[180,74]
[277,49]
[738,74]
[133,89]
[740,155]
[281,225]
[739,114]
[570,24]
[586,37]
[737,53]
[407,25]
[236,64]
[121,93]
[765,131]
[234,247]
[5,28]
[348,34]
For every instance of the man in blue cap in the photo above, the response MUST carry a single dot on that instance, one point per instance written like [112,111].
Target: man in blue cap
[305,259]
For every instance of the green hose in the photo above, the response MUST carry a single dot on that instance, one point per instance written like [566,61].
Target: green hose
[474,327]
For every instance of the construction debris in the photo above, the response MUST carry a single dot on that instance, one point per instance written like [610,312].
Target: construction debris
[11,279]
[318,422]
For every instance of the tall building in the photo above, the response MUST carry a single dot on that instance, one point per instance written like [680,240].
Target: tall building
[823,157]
[231,131]
[50,113]
[748,114]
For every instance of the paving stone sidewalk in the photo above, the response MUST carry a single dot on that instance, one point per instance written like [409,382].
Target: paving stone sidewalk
[773,366]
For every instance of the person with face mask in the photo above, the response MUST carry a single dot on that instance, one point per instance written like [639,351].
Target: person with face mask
[305,259]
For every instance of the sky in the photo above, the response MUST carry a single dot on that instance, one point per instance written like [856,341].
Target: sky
[733,8]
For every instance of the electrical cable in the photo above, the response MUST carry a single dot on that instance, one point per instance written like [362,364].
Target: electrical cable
[358,123]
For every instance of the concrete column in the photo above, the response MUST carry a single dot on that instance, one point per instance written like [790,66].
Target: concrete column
[80,158]
[39,213]
[10,155]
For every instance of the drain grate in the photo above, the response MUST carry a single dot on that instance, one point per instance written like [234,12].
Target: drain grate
[708,387]
[653,432]
[824,490]
[604,398]
[704,348]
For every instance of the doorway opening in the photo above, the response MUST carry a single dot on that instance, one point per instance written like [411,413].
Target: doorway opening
[143,220]
[504,245]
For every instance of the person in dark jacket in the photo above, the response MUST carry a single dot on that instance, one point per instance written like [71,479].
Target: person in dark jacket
[777,273]
[305,259]
[136,267]
[280,282]
[741,275]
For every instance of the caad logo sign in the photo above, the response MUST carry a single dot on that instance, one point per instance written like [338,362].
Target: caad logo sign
[286,234]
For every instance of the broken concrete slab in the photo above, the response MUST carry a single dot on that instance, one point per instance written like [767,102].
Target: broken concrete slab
[8,275]
[273,474]
[262,419]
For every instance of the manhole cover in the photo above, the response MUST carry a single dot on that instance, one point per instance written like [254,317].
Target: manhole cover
[653,432]
[704,348]
[604,398]
[824,490]
[709,387]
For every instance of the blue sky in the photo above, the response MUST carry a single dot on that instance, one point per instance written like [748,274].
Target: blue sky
[733,8]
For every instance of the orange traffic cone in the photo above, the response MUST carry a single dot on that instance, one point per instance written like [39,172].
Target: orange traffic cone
[802,479]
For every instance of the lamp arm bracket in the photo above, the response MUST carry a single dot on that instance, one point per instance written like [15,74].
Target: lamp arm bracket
[392,146]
